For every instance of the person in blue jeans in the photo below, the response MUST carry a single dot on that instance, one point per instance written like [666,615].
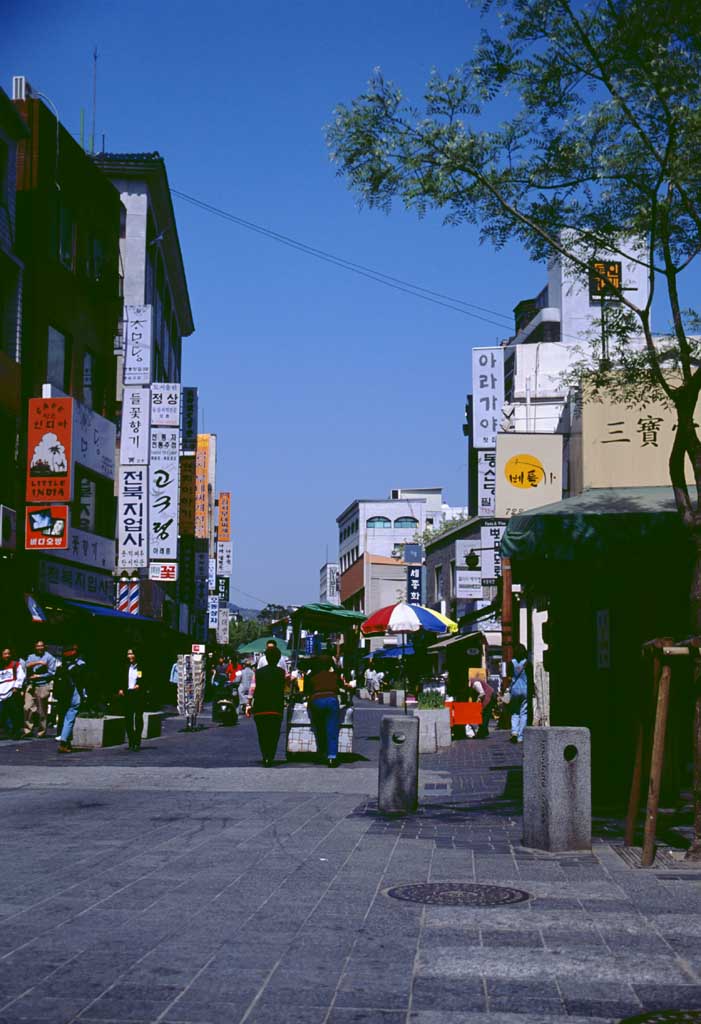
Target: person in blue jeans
[321,686]
[71,688]
[520,672]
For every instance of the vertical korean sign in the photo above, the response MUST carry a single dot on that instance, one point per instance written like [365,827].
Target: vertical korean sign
[189,420]
[137,344]
[225,558]
[163,494]
[49,442]
[201,480]
[132,517]
[187,495]
[135,427]
[165,405]
[486,483]
[488,394]
[414,589]
[224,527]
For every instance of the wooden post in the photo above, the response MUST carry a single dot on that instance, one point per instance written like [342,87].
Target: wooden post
[656,763]
[636,782]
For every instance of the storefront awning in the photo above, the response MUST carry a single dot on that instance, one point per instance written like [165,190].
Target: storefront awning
[325,618]
[103,610]
[462,639]
[594,523]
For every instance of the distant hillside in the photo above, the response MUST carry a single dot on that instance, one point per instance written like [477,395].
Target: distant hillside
[246,613]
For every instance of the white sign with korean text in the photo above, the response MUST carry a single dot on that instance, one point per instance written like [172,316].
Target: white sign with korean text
[487,395]
[468,584]
[137,344]
[490,554]
[134,450]
[224,558]
[163,494]
[89,549]
[486,483]
[529,472]
[223,625]
[94,440]
[165,405]
[132,517]
[212,575]
[165,572]
[212,611]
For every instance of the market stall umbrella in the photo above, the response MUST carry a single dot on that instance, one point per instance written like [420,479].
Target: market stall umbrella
[258,646]
[407,618]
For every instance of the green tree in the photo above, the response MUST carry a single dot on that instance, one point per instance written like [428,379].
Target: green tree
[599,154]
[244,632]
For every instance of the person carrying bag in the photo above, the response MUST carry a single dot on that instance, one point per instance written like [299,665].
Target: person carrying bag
[520,674]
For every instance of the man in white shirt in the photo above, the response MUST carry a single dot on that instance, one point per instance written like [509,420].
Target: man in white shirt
[283,662]
[12,676]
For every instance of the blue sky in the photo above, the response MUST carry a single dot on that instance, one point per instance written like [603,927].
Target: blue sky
[321,386]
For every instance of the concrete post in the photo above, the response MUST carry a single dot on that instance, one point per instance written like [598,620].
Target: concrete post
[398,781]
[557,789]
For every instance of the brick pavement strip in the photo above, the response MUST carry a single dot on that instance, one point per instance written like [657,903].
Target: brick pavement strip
[196,887]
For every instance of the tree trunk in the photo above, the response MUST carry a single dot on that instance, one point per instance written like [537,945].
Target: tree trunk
[694,852]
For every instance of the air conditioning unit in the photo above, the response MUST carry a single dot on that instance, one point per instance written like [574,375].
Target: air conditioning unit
[21,89]
[8,528]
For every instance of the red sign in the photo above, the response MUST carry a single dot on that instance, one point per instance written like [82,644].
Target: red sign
[166,572]
[46,526]
[49,437]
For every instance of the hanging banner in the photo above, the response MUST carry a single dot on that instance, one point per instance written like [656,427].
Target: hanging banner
[76,582]
[212,611]
[165,405]
[90,549]
[163,494]
[189,420]
[201,480]
[224,558]
[137,344]
[414,588]
[488,395]
[132,513]
[224,527]
[486,483]
[46,526]
[529,472]
[468,584]
[212,575]
[49,449]
[134,447]
[223,626]
[223,589]
[491,533]
[187,496]
[94,440]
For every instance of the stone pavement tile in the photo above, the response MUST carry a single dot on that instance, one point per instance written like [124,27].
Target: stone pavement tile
[309,993]
[286,1015]
[499,988]
[470,935]
[344,1015]
[601,1008]
[669,997]
[200,1012]
[572,937]
[508,1004]
[430,993]
[123,1006]
[625,941]
[52,1010]
[499,1017]
[523,937]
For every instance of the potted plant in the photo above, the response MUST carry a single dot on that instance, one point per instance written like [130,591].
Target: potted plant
[434,722]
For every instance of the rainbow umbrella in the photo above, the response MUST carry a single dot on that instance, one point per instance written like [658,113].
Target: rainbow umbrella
[407,618]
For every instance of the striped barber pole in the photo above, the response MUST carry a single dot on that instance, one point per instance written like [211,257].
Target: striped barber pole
[123,594]
[134,589]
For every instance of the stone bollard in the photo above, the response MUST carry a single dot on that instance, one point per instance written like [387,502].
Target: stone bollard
[557,788]
[396,698]
[398,781]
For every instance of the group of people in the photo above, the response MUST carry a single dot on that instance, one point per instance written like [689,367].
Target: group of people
[42,688]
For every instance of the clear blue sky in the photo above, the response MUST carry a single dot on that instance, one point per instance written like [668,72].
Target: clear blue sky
[321,386]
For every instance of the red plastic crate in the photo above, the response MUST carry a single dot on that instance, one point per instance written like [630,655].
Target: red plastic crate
[464,712]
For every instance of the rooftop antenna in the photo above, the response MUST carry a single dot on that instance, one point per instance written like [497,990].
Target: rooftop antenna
[94,99]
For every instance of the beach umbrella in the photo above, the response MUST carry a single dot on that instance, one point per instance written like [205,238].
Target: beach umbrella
[406,618]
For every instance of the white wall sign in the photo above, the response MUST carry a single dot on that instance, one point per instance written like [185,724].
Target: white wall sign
[468,583]
[224,558]
[223,626]
[486,483]
[487,395]
[212,575]
[212,611]
[163,494]
[134,449]
[189,420]
[132,517]
[89,549]
[81,584]
[490,543]
[94,440]
[165,572]
[529,472]
[165,405]
[137,344]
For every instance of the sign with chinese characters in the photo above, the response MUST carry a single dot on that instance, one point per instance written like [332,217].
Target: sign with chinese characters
[605,280]
[414,584]
[224,525]
[164,572]
[488,395]
[89,549]
[76,582]
[201,489]
[132,517]
[46,526]
[137,344]
[529,472]
[212,575]
[486,483]
[165,405]
[225,558]
[163,494]
[212,611]
[134,448]
[491,533]
[189,420]
[223,625]
[468,584]
[187,496]
[223,589]
[49,449]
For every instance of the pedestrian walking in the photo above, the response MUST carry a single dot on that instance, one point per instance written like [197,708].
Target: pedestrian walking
[246,682]
[520,672]
[322,688]
[372,683]
[282,662]
[266,706]
[41,669]
[487,699]
[70,690]
[133,700]
[12,676]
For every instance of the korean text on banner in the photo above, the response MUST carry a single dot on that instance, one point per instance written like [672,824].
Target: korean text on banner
[49,449]
[137,344]
[163,493]
[212,611]
[165,405]
[94,440]
[468,584]
[187,495]
[486,483]
[491,533]
[224,527]
[212,575]
[201,481]
[488,395]
[134,450]
[189,420]
[166,572]
[414,588]
[223,625]
[224,558]
[132,517]
[223,589]
[46,526]
[529,472]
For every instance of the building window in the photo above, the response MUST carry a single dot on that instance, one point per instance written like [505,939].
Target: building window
[379,523]
[66,237]
[58,360]
[438,582]
[406,523]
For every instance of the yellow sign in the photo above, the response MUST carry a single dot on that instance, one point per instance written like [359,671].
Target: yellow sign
[201,480]
[524,471]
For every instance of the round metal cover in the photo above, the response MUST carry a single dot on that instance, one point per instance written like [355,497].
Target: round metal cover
[666,1017]
[458,894]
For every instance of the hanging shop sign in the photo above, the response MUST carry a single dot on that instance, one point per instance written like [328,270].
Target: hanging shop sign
[163,494]
[529,472]
[223,626]
[486,483]
[137,344]
[46,526]
[49,449]
[223,589]
[134,446]
[488,395]
[224,525]
[189,420]
[164,572]
[201,482]
[89,549]
[94,440]
[224,558]
[165,405]
[132,517]
[212,575]
[76,582]
[212,611]
[491,533]
[187,495]
[468,584]
[414,584]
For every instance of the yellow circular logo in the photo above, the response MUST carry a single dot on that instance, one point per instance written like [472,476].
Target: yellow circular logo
[524,471]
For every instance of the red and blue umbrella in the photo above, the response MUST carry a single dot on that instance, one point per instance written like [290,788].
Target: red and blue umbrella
[407,618]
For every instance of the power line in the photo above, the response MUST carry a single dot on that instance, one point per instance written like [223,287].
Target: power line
[418,291]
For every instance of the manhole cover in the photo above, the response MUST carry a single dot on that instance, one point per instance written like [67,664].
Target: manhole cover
[458,894]
[666,1017]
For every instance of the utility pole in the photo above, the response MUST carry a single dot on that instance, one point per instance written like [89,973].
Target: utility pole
[94,99]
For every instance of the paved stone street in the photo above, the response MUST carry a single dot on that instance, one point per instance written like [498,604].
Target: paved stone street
[187,884]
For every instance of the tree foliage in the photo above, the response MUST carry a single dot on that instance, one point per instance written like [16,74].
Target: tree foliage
[598,154]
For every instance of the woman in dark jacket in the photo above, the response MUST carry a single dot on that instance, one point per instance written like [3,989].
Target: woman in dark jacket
[322,686]
[267,704]
[132,693]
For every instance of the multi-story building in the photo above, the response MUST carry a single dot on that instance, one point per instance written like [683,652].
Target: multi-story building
[329,590]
